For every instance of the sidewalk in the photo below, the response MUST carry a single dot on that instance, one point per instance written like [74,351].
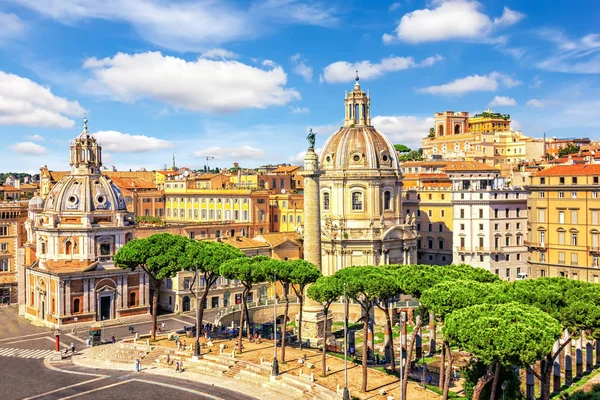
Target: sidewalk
[237,385]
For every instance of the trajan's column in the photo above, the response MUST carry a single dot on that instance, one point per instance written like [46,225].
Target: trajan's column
[313,317]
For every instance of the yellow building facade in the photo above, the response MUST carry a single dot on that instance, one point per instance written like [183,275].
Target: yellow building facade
[287,211]
[564,222]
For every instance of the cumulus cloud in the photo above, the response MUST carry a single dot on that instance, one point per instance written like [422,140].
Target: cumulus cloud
[472,83]
[24,102]
[300,110]
[35,138]
[503,101]
[28,148]
[536,103]
[450,20]
[238,153]
[188,25]
[300,68]
[343,71]
[219,54]
[405,129]
[12,27]
[206,86]
[118,142]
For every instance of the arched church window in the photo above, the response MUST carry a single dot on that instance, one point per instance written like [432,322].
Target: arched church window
[387,200]
[69,247]
[76,304]
[456,129]
[357,201]
[326,201]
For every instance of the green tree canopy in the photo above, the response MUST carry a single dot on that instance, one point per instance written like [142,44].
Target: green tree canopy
[400,148]
[570,149]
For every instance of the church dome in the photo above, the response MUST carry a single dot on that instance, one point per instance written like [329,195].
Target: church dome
[85,189]
[36,203]
[85,193]
[357,145]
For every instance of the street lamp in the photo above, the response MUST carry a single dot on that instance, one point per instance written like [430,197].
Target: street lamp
[401,359]
[197,346]
[275,370]
[346,392]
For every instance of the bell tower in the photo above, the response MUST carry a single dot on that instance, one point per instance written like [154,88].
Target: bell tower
[358,106]
[86,153]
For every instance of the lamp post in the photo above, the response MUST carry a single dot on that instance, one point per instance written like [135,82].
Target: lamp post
[275,370]
[346,395]
[197,346]
[401,358]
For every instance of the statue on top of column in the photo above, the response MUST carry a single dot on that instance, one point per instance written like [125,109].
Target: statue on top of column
[311,139]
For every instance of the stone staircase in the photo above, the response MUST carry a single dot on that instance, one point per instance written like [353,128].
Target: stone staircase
[233,371]
[118,353]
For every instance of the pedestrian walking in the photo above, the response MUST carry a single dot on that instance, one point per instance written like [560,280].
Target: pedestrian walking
[72,349]
[429,378]
[177,366]
[113,340]
[181,366]
[137,365]
[88,341]
[184,344]
[131,329]
[162,326]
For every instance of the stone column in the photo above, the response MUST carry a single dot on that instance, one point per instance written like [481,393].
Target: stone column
[67,297]
[86,303]
[597,351]
[589,355]
[147,289]
[556,368]
[418,342]
[568,365]
[314,320]
[93,295]
[432,334]
[579,356]
[142,288]
[404,320]
[125,290]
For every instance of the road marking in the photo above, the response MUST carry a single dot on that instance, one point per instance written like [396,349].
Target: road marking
[63,388]
[25,336]
[62,344]
[76,338]
[24,353]
[93,390]
[197,392]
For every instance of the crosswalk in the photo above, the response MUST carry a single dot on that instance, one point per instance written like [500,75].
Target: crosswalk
[24,353]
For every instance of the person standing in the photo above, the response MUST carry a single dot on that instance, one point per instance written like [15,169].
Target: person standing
[113,340]
[72,349]
[162,326]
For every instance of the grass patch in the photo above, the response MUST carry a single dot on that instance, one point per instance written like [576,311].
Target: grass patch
[577,385]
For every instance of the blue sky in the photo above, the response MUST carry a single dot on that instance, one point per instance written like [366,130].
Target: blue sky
[243,81]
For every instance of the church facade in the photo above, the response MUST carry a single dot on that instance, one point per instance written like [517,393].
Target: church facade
[360,185]
[67,273]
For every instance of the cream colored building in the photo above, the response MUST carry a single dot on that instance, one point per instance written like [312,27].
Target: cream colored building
[12,237]
[361,195]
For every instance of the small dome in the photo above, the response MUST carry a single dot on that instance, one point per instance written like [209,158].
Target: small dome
[85,193]
[36,203]
[358,147]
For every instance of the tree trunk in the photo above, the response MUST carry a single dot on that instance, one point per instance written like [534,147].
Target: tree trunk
[481,382]
[409,351]
[546,373]
[248,322]
[324,361]
[365,348]
[242,315]
[155,311]
[300,305]
[388,321]
[201,309]
[448,377]
[495,383]
[285,320]
[442,368]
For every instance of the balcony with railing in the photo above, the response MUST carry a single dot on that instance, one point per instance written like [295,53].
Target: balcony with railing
[537,245]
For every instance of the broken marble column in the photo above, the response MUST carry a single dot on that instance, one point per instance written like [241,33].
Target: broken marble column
[589,356]
[556,369]
[579,356]
[568,365]
[418,342]
[432,336]
[597,351]
[530,381]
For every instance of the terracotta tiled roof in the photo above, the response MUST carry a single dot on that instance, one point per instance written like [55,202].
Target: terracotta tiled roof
[286,169]
[423,164]
[66,266]
[275,239]
[166,173]
[25,186]
[130,183]
[243,242]
[56,176]
[567,170]
[7,188]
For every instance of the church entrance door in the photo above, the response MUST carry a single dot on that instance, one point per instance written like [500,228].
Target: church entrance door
[186,303]
[104,308]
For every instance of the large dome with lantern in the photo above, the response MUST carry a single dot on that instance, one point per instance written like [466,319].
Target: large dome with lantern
[357,145]
[85,189]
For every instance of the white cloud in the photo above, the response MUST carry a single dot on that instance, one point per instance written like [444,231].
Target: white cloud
[536,103]
[404,129]
[343,71]
[394,6]
[219,54]
[576,57]
[118,142]
[509,17]
[240,153]
[35,138]
[450,20]
[300,110]
[473,83]
[12,27]
[28,148]
[503,101]
[299,158]
[537,83]
[24,102]
[300,68]
[206,86]
[188,25]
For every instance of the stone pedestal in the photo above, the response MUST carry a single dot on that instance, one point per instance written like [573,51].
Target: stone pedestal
[313,324]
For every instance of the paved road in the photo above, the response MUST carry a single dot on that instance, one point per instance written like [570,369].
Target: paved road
[24,375]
